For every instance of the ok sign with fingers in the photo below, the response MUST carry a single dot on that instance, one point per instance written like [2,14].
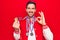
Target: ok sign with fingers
[42,19]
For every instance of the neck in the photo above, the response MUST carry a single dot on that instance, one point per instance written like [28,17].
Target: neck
[30,16]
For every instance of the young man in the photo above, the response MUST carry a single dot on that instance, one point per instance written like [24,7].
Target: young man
[31,27]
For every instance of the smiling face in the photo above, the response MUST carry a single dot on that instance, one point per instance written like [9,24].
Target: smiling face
[31,9]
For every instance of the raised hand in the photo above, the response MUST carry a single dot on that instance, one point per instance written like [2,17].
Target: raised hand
[42,18]
[16,23]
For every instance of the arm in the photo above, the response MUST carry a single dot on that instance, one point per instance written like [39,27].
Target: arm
[46,30]
[47,33]
[16,26]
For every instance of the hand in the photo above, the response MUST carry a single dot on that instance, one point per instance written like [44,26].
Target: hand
[16,19]
[42,19]
[16,23]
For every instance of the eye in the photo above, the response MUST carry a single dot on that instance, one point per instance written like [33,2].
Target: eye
[33,8]
[28,8]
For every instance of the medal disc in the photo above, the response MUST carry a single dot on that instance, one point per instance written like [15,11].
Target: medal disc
[31,34]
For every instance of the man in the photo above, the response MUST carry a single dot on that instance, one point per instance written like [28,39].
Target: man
[31,27]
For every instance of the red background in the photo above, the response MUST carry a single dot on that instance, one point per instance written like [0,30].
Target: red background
[12,8]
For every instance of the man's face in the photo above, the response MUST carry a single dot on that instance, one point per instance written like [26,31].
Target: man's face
[30,9]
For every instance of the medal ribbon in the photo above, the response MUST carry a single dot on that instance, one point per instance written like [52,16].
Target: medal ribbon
[30,23]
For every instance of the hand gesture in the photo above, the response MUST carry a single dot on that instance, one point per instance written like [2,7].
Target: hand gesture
[16,23]
[42,18]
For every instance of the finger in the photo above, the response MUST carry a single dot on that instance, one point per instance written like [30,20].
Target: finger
[42,13]
[38,17]
[39,13]
[37,20]
[16,19]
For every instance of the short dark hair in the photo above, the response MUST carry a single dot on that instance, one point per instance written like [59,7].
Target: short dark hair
[30,2]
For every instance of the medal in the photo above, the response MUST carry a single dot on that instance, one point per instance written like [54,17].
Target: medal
[31,34]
